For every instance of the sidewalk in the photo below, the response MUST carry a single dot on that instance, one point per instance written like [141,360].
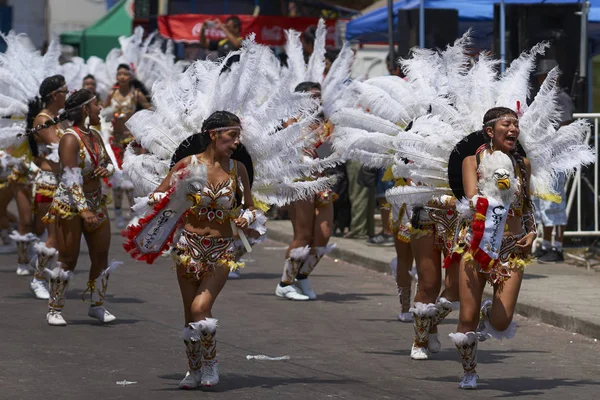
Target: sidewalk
[557,294]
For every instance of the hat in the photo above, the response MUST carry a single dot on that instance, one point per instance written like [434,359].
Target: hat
[545,66]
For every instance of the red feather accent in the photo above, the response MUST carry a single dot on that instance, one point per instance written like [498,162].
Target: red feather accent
[478,227]
[450,259]
[132,231]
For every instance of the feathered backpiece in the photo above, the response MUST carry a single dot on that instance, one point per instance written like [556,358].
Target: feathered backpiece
[442,100]
[150,59]
[313,71]
[22,70]
[77,69]
[183,101]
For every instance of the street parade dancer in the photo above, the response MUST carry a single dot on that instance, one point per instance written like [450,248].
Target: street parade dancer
[495,238]
[33,92]
[312,219]
[201,118]
[379,131]
[79,208]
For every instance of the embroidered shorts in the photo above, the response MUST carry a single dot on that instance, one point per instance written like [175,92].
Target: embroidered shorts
[46,183]
[323,199]
[61,206]
[510,257]
[198,256]
[400,222]
[440,223]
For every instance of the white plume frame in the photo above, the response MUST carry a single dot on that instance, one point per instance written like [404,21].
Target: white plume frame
[316,62]
[22,70]
[415,195]
[145,171]
[248,89]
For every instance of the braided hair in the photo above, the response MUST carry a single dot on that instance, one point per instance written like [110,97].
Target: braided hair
[47,88]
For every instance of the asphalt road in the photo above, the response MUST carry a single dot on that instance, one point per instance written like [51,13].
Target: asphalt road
[346,345]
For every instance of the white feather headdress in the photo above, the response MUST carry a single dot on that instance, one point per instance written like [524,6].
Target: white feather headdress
[183,101]
[22,70]
[444,101]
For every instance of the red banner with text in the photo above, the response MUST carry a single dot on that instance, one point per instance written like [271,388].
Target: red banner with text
[269,30]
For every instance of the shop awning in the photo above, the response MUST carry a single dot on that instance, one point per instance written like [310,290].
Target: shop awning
[268,30]
[103,35]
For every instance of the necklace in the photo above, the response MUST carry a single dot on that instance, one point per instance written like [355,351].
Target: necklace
[95,152]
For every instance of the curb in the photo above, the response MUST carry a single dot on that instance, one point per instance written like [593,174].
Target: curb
[549,317]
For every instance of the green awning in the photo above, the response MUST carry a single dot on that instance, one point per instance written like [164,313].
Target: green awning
[103,35]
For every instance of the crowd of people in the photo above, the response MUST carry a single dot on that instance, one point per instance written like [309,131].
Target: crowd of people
[451,153]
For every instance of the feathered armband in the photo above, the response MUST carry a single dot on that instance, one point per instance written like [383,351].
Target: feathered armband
[71,182]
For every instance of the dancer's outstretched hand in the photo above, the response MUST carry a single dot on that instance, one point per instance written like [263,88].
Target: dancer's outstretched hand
[89,218]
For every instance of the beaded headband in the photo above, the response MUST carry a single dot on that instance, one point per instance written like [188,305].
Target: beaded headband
[503,118]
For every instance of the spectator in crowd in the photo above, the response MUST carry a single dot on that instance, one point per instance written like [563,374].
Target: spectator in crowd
[553,216]
[308,41]
[232,29]
[330,57]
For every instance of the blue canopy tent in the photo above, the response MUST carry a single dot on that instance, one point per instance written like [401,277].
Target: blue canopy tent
[477,14]
[372,27]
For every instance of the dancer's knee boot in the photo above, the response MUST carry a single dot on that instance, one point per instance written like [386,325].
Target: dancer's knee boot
[59,283]
[23,243]
[210,366]
[308,267]
[193,349]
[46,259]
[286,287]
[97,289]
[466,344]
[444,308]
[423,314]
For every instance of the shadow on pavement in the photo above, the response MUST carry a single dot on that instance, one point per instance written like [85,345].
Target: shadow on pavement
[346,297]
[91,321]
[450,354]
[230,382]
[521,386]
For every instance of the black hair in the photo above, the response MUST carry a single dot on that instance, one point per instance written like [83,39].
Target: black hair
[331,55]
[309,35]
[135,83]
[89,76]
[495,113]
[198,142]
[47,88]
[72,113]
[237,22]
[304,87]
[73,105]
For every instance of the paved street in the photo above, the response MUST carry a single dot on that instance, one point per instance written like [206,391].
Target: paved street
[346,345]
